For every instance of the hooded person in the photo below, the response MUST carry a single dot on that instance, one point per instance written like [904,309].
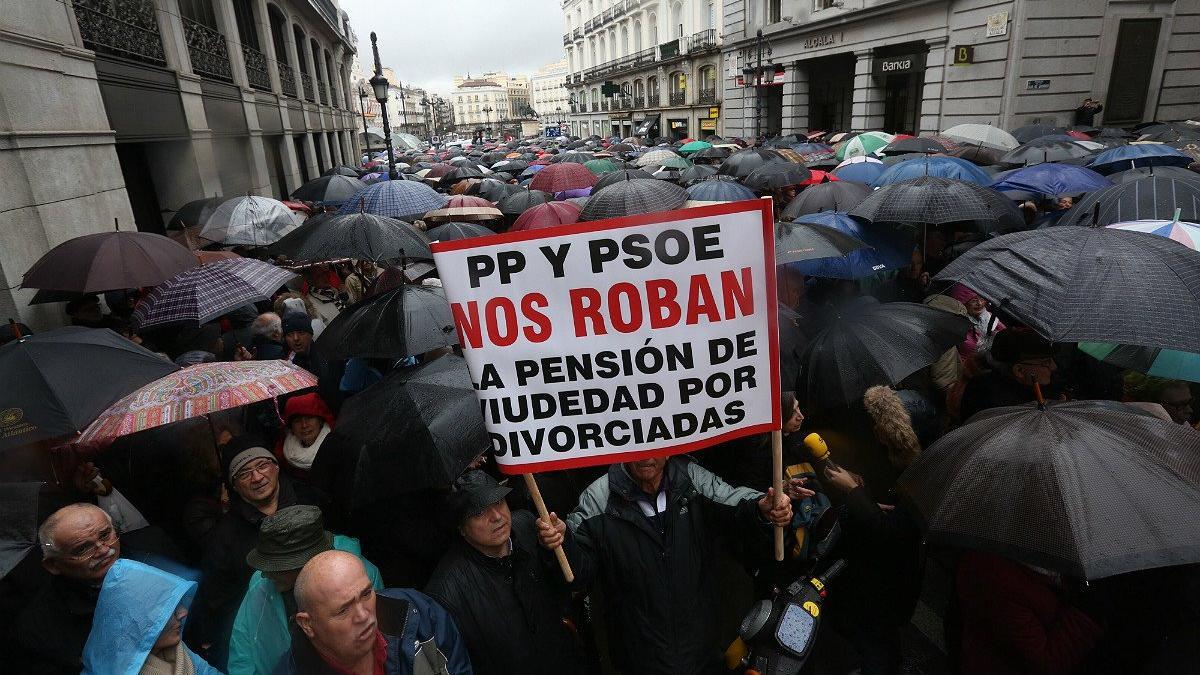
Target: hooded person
[984,324]
[286,541]
[139,620]
[308,422]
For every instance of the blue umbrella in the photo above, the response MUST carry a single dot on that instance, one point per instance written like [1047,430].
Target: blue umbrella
[717,190]
[1051,180]
[860,172]
[890,249]
[395,199]
[942,167]
[1143,154]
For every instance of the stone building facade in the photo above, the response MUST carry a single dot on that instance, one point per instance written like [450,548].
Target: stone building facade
[919,66]
[644,67]
[548,94]
[126,110]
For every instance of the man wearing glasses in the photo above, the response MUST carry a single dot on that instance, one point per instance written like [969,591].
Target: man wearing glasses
[257,490]
[79,544]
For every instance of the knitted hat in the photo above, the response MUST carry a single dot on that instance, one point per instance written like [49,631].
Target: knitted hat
[295,322]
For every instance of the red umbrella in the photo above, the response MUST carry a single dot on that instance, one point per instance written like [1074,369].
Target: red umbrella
[563,176]
[1079,134]
[817,176]
[547,215]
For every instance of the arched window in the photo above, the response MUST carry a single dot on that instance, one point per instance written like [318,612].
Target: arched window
[677,19]
[652,22]
[708,78]
[678,82]
[652,99]
[637,36]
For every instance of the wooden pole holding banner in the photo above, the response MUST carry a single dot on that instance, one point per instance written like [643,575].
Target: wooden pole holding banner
[536,495]
[777,483]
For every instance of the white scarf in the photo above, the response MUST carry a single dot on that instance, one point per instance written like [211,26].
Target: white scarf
[299,456]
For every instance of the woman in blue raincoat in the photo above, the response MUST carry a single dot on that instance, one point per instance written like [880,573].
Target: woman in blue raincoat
[138,622]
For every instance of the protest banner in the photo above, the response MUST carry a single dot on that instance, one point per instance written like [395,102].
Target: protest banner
[615,340]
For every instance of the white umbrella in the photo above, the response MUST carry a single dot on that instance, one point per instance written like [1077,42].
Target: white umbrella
[655,157]
[982,134]
[249,221]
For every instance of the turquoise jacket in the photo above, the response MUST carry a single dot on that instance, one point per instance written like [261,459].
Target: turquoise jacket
[260,632]
[135,604]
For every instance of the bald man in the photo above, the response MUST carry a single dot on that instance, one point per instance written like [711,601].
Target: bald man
[79,545]
[344,626]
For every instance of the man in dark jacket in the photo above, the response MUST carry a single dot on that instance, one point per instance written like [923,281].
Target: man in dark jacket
[647,532]
[344,626]
[505,593]
[257,491]
[1085,114]
[1019,358]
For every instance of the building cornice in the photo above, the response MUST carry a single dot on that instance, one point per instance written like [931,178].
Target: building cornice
[836,21]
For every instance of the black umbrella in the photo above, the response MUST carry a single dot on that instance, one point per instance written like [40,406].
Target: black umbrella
[930,200]
[336,188]
[1038,484]
[432,431]
[1146,171]
[1044,150]
[453,231]
[1152,198]
[742,162]
[462,171]
[695,172]
[194,213]
[837,195]
[614,177]
[57,382]
[1030,132]
[363,236]
[404,321]
[342,170]
[906,145]
[797,242]
[18,523]
[107,261]
[711,154]
[868,343]
[627,198]
[776,175]
[1077,284]
[574,157]
[519,202]
[494,190]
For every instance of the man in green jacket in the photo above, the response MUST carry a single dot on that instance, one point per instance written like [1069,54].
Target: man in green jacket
[286,541]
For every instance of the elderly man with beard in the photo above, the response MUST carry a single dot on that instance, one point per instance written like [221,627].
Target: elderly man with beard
[79,545]
[257,490]
[505,592]
[647,533]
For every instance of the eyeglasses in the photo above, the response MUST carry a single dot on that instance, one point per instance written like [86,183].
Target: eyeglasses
[263,467]
[88,550]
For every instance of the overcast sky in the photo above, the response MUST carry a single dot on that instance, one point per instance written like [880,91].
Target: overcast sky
[428,42]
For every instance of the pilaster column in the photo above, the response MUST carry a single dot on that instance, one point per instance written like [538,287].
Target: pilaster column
[227,26]
[866,111]
[795,99]
[930,120]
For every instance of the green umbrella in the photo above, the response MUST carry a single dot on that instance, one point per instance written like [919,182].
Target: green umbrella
[675,163]
[600,166]
[862,145]
[1168,363]
[694,146]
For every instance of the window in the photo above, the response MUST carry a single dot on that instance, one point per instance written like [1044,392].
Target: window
[677,19]
[653,22]
[652,91]
[818,5]
[243,16]
[678,82]
[278,25]
[708,78]
[301,48]
[712,14]
[774,11]
[200,11]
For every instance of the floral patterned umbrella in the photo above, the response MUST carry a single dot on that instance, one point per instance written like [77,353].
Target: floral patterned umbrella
[195,391]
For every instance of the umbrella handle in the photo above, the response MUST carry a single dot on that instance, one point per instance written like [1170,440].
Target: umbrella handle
[1037,394]
[536,495]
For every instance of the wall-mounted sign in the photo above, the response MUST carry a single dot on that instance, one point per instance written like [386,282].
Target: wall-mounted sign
[815,41]
[963,55]
[897,65]
[997,24]
[714,113]
[708,125]
[1037,84]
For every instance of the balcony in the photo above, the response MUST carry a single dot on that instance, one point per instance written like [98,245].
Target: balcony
[707,97]
[639,101]
[574,109]
[619,10]
[323,92]
[306,80]
[566,39]
[595,106]
[125,29]
[606,16]
[256,68]
[287,79]
[677,98]
[577,78]
[589,25]
[577,34]
[705,40]
[604,105]
[208,51]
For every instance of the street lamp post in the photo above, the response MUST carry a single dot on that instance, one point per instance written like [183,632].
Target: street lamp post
[487,112]
[425,105]
[379,84]
[362,108]
[756,73]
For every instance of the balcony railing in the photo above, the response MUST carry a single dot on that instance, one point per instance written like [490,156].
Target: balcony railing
[124,28]
[306,80]
[208,51]
[703,41]
[573,109]
[639,101]
[707,96]
[323,92]
[677,97]
[604,105]
[256,68]
[588,25]
[606,16]
[577,34]
[287,79]
[619,9]
[566,38]
[595,106]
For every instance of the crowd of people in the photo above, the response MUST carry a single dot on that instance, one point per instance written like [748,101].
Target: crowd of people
[237,544]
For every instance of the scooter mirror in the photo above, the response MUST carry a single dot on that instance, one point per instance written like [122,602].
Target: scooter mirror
[825,527]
